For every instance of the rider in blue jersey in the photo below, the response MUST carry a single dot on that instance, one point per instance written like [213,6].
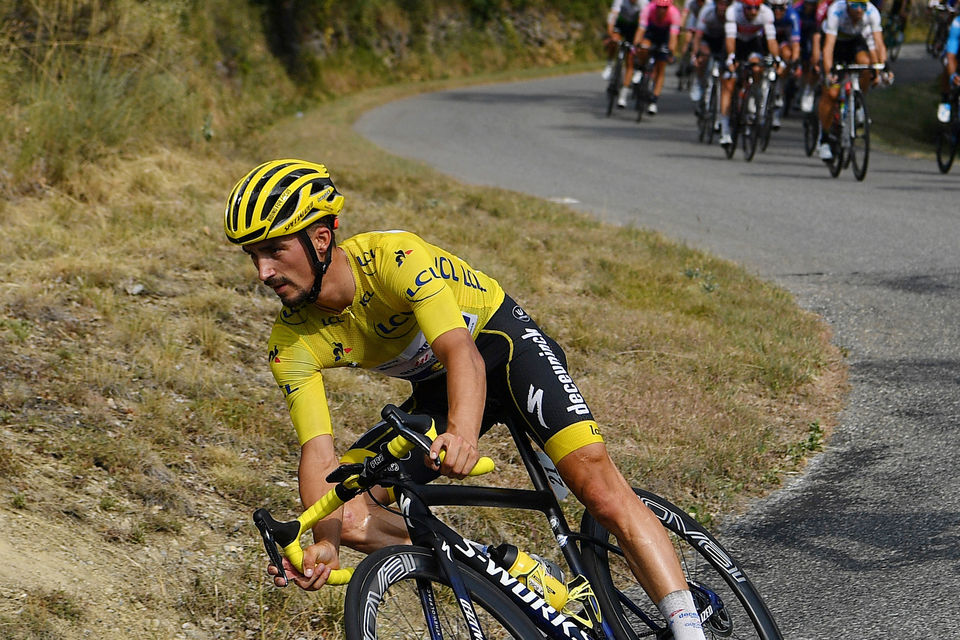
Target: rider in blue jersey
[950,79]
[786,22]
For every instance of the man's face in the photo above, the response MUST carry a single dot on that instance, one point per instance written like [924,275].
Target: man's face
[750,11]
[779,10]
[283,265]
[856,10]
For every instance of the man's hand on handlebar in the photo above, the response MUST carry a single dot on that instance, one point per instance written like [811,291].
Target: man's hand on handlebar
[459,458]
[318,560]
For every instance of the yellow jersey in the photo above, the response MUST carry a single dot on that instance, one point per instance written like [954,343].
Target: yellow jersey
[408,292]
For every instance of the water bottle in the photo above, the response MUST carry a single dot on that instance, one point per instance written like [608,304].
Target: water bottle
[538,574]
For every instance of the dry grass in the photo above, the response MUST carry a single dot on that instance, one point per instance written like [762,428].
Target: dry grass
[140,423]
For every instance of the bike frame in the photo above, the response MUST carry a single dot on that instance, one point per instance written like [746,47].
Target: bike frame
[427,530]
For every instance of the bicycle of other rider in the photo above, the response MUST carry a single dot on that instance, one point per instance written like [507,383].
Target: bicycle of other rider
[811,124]
[616,78]
[751,105]
[949,136]
[447,586]
[850,129]
[893,36]
[643,90]
[943,15]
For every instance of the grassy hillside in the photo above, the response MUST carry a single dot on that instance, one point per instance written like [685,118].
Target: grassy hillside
[139,422]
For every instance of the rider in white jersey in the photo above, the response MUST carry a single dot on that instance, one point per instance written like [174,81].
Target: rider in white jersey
[851,34]
[749,32]
[622,22]
[709,38]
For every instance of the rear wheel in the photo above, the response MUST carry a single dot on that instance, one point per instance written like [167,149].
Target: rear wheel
[728,603]
[392,587]
[860,140]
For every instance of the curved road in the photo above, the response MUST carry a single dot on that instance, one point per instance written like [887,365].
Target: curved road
[866,544]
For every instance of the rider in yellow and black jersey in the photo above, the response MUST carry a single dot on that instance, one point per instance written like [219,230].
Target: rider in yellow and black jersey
[391,302]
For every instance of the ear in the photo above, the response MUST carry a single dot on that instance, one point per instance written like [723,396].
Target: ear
[321,236]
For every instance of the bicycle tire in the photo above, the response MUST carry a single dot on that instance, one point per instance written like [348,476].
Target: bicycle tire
[613,88]
[860,140]
[644,92]
[383,600]
[766,122]
[836,164]
[811,132]
[741,612]
[713,110]
[947,143]
[750,125]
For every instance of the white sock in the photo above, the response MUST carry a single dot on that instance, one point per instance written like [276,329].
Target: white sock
[681,615]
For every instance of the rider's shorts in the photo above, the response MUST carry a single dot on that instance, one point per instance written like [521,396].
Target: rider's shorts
[527,384]
[717,44]
[747,48]
[659,38]
[845,51]
[626,29]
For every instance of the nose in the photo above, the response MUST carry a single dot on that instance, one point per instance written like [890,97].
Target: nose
[265,270]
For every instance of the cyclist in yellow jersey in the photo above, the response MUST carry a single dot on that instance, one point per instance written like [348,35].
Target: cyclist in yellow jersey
[391,302]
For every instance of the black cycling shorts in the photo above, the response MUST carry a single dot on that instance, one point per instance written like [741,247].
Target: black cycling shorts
[845,51]
[527,384]
[746,48]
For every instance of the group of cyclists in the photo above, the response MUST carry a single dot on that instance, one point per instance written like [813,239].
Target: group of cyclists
[804,38]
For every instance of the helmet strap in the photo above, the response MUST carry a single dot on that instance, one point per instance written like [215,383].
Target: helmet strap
[319,268]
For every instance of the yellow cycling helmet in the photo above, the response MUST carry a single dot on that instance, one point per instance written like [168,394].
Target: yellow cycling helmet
[279,198]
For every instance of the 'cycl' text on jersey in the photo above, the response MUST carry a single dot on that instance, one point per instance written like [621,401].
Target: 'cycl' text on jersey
[445,269]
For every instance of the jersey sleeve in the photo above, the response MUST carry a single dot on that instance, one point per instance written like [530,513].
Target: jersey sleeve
[297,372]
[411,275]
[831,24]
[795,29]
[953,39]
[730,24]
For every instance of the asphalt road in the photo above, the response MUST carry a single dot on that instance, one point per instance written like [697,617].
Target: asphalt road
[866,543]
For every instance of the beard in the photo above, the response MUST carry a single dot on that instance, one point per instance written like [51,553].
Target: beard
[295,296]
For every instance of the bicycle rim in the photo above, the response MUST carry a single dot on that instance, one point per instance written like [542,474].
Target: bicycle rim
[860,141]
[386,599]
[946,147]
[728,603]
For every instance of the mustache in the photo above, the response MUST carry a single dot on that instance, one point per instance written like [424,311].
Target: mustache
[275,281]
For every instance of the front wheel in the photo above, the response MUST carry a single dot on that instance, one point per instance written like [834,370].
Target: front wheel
[393,589]
[728,603]
[860,139]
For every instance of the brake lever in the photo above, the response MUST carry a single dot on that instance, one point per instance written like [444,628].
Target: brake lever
[267,526]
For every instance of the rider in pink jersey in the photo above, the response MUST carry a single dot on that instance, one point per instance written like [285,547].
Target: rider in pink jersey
[659,28]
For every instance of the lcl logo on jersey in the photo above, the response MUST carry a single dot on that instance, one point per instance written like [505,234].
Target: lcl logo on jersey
[365,260]
[396,326]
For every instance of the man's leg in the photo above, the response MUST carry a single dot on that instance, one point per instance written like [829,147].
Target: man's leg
[599,485]
[368,527]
